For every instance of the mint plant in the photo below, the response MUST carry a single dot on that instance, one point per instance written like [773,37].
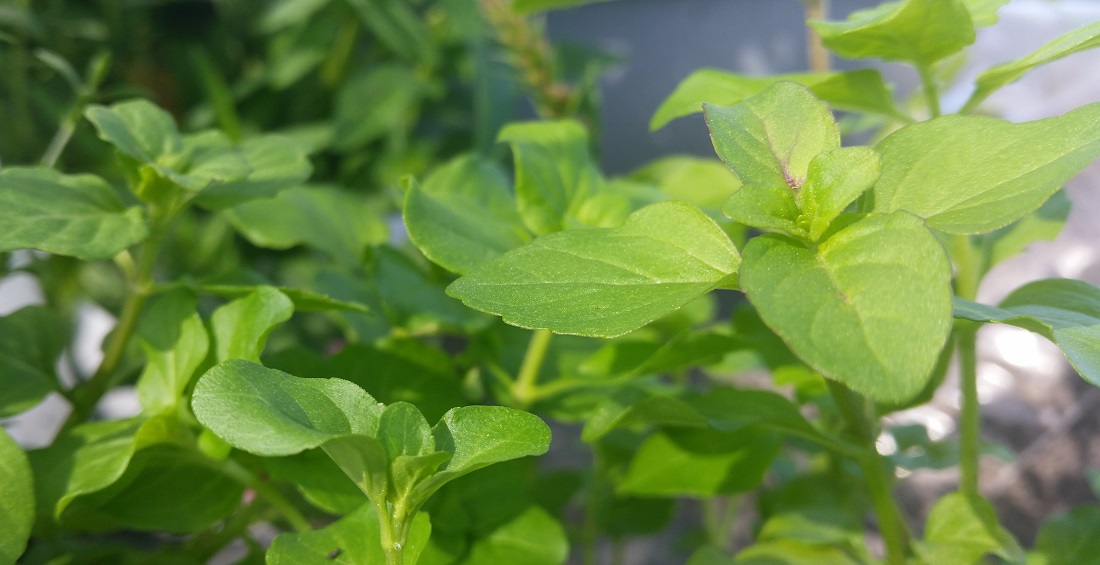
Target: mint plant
[383,401]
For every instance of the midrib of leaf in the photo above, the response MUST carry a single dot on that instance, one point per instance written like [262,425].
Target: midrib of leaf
[849,306]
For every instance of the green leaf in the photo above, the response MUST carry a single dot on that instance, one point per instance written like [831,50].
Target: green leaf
[792,552]
[164,488]
[701,463]
[709,555]
[334,221]
[1044,225]
[395,24]
[413,299]
[555,175]
[769,139]
[241,327]
[33,340]
[275,163]
[835,179]
[87,458]
[478,436]
[961,529]
[319,479]
[631,406]
[1069,539]
[1064,311]
[984,12]
[353,540]
[770,207]
[285,13]
[463,215]
[869,307]
[269,412]
[605,282]
[76,215]
[303,300]
[859,91]
[140,130]
[529,6]
[364,461]
[403,430]
[376,103]
[994,78]
[918,31]
[16,499]
[730,409]
[175,343]
[705,183]
[532,538]
[971,174]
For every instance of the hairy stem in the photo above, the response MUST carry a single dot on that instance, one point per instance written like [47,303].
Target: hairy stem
[524,390]
[878,476]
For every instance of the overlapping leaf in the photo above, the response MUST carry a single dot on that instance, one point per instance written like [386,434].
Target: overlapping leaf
[76,215]
[33,339]
[605,282]
[919,31]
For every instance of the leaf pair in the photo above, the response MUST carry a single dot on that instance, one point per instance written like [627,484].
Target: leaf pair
[389,452]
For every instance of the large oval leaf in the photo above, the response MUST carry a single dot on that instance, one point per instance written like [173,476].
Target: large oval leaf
[869,307]
[972,174]
[269,412]
[605,282]
[76,215]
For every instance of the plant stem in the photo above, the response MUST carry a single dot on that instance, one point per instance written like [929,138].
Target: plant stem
[393,548]
[931,91]
[967,278]
[895,535]
[237,472]
[818,55]
[524,390]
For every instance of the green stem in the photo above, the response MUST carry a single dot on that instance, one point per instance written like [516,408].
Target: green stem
[391,546]
[60,140]
[525,389]
[879,480]
[237,472]
[968,272]
[719,514]
[590,529]
[931,91]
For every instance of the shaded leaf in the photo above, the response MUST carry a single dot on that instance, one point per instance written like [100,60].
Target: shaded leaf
[33,339]
[961,529]
[175,343]
[859,91]
[303,300]
[534,537]
[353,540]
[528,6]
[1069,539]
[1064,311]
[76,215]
[605,282]
[275,163]
[1044,225]
[994,78]
[16,499]
[463,215]
[705,183]
[241,327]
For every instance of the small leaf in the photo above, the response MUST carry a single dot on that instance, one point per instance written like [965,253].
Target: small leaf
[1069,539]
[532,538]
[858,91]
[403,430]
[971,174]
[376,102]
[274,163]
[175,343]
[555,174]
[463,215]
[76,215]
[770,207]
[269,412]
[705,183]
[961,529]
[701,463]
[601,282]
[334,221]
[993,79]
[1043,225]
[319,479]
[769,139]
[16,499]
[478,436]
[793,552]
[984,12]
[1064,311]
[835,179]
[869,307]
[33,340]
[87,458]
[241,327]
[631,406]
[353,540]
[140,130]
[363,460]
[918,31]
